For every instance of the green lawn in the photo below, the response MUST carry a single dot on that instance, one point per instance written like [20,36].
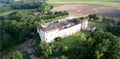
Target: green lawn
[73,40]
[113,3]
[70,41]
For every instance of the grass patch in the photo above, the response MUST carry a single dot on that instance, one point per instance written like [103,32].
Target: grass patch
[112,3]
[70,41]
[6,13]
[98,24]
[73,40]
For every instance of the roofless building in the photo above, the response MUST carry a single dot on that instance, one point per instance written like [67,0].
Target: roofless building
[61,28]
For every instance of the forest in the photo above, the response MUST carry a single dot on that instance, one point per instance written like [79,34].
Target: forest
[36,5]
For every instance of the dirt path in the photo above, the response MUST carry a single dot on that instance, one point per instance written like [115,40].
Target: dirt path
[78,10]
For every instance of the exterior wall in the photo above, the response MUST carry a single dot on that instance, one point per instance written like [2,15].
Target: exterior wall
[49,36]
[42,35]
[69,31]
[84,25]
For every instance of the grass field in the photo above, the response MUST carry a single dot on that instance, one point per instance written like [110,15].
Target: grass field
[73,40]
[6,13]
[70,41]
[113,3]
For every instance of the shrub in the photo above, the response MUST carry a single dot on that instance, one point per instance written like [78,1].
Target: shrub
[64,57]
[107,19]
[58,38]
[65,48]
[93,16]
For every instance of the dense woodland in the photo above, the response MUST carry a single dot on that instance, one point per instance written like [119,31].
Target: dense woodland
[20,25]
[36,5]
[11,1]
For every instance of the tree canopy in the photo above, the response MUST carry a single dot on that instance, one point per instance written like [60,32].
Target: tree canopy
[17,55]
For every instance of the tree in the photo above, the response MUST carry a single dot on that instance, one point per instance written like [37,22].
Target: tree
[77,21]
[65,48]
[113,51]
[6,1]
[114,29]
[82,37]
[43,49]
[90,42]
[58,38]
[98,55]
[16,5]
[44,9]
[101,47]
[63,57]
[99,43]
[110,25]
[109,20]
[17,28]
[17,55]
[93,16]
[0,45]
[38,5]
